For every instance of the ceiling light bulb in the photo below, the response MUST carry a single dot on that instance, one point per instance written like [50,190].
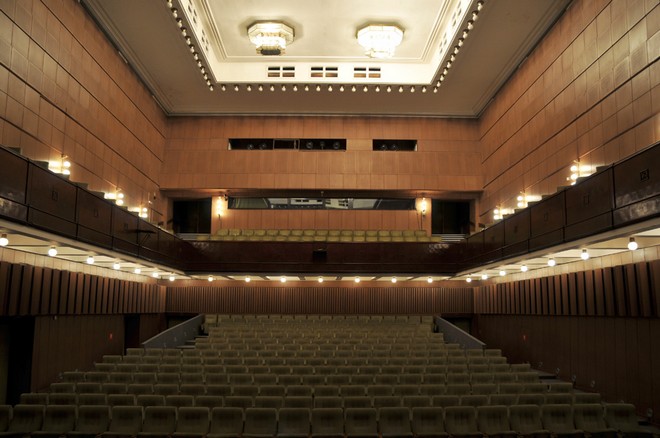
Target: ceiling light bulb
[469,279]
[484,276]
[574,168]
[295,88]
[393,279]
[502,273]
[318,88]
[470,25]
[320,280]
[249,88]
[353,88]
[116,266]
[306,87]
[137,271]
[524,268]
[248,279]
[377,89]
[90,260]
[172,277]
[175,13]
[52,251]
[260,88]
[551,262]
[401,89]
[282,279]
[211,87]
[4,241]
[357,279]
[272,88]
[283,87]
[584,255]
[412,89]
[365,89]
[155,275]
[236,88]
[341,88]
[388,89]
[210,278]
[423,89]
[480,5]
[429,280]
[632,245]
[223,87]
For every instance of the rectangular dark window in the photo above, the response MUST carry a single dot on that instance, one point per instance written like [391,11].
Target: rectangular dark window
[193,216]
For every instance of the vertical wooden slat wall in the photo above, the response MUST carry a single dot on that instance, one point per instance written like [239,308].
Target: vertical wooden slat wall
[628,291]
[602,327]
[28,290]
[317,300]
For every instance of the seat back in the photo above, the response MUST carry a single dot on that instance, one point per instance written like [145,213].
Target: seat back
[126,420]
[26,418]
[93,419]
[193,420]
[159,419]
[589,417]
[461,420]
[525,418]
[621,416]
[395,422]
[227,421]
[327,421]
[492,420]
[294,422]
[428,421]
[260,421]
[5,417]
[361,422]
[59,418]
[557,418]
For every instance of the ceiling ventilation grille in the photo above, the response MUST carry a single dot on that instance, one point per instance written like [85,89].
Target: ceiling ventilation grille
[366,72]
[281,72]
[324,72]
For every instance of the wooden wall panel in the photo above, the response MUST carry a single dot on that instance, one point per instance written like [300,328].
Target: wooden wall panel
[618,354]
[319,300]
[28,290]
[66,343]
[573,99]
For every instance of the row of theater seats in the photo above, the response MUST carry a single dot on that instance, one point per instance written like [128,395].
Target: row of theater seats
[251,389]
[234,358]
[221,422]
[234,234]
[99,377]
[308,401]
[363,320]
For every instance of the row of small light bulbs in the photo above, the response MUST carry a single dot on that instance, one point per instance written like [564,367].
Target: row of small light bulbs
[377,88]
[584,255]
[52,252]
[459,44]
[330,88]
[189,42]
[283,279]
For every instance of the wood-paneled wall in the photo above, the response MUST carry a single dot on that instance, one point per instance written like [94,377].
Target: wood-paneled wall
[619,355]
[64,89]
[33,290]
[319,300]
[631,290]
[599,325]
[589,91]
[67,343]
[197,157]
[325,220]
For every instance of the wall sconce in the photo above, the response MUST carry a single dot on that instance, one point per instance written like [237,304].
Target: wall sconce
[221,206]
[63,166]
[423,206]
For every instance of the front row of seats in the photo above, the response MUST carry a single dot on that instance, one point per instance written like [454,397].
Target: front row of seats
[458,421]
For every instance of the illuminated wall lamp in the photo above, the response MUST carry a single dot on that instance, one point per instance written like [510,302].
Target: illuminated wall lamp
[4,241]
[584,255]
[632,244]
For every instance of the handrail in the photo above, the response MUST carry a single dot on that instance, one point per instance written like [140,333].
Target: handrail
[176,336]
[455,335]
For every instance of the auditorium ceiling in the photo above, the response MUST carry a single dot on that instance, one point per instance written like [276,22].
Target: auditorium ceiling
[324,70]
